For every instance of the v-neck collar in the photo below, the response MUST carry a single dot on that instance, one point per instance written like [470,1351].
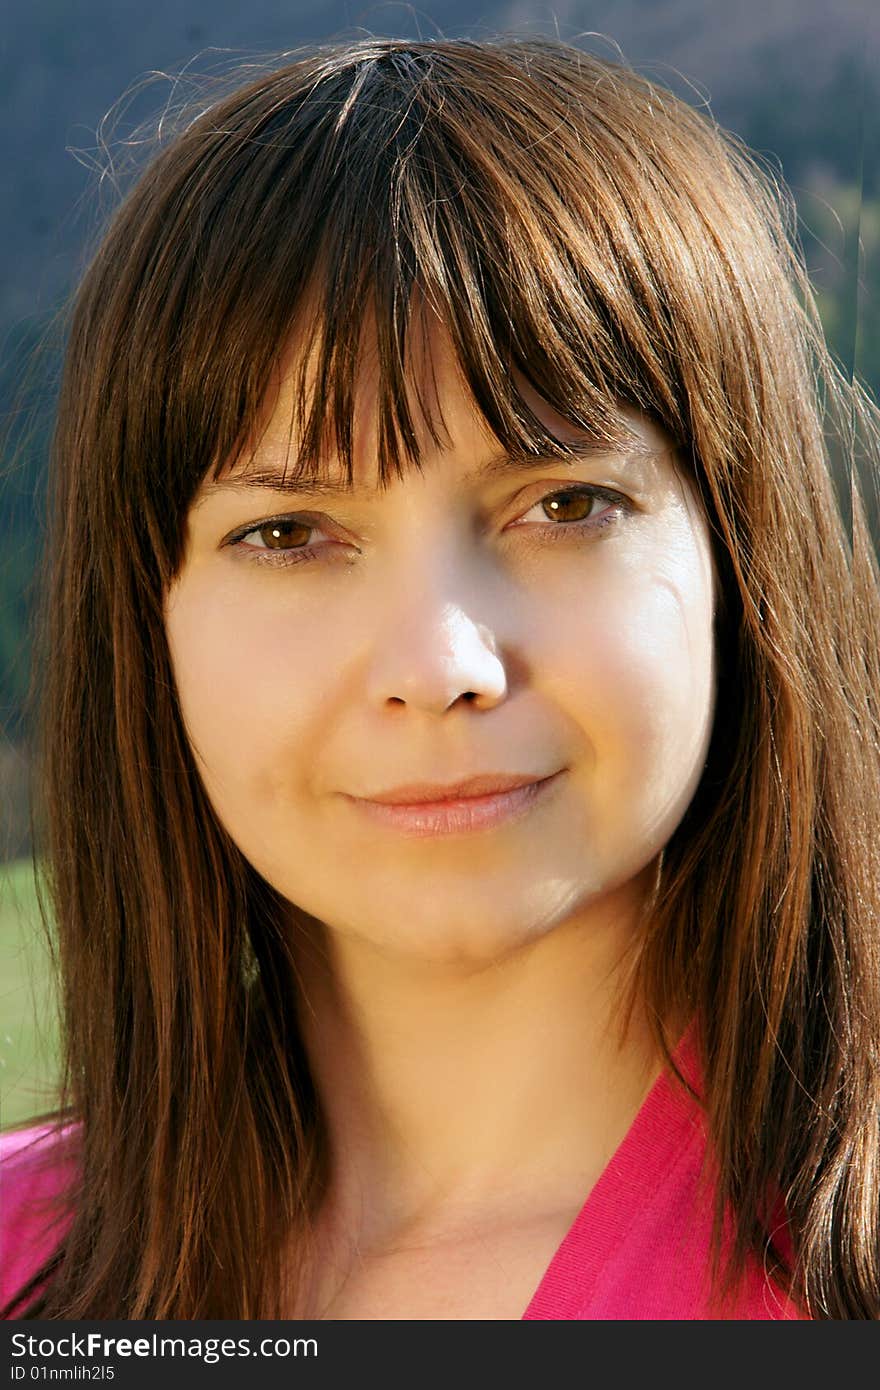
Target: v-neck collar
[666,1125]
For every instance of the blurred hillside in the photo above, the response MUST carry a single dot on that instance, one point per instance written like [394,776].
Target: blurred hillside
[798,80]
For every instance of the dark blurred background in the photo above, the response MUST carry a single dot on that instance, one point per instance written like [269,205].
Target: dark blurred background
[798,80]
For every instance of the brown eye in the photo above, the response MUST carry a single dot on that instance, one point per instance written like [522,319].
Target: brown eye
[569,506]
[283,535]
[283,540]
[570,511]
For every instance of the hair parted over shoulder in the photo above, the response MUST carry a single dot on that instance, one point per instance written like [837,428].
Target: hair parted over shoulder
[572,223]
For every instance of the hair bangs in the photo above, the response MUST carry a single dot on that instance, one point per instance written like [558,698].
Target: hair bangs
[336,215]
[396,225]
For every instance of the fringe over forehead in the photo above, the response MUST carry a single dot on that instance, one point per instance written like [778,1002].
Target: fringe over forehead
[558,214]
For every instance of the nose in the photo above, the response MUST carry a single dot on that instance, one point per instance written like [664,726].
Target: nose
[435,653]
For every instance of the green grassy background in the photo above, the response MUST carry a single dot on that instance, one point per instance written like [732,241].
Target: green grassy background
[28,1025]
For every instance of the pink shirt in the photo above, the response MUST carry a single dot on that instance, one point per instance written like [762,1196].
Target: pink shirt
[638,1249]
[31,1178]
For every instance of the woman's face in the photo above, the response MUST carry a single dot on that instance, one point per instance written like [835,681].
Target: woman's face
[549,619]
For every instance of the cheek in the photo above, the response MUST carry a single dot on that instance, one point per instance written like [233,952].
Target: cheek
[636,667]
[249,690]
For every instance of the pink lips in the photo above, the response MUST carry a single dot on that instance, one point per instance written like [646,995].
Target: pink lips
[477,804]
[485,784]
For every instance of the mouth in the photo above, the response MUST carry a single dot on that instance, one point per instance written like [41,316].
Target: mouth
[459,814]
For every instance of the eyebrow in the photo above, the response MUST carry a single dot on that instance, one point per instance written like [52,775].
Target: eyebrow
[270,480]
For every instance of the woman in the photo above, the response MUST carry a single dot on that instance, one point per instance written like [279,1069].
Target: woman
[468,925]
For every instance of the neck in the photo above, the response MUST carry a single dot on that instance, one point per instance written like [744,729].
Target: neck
[456,1093]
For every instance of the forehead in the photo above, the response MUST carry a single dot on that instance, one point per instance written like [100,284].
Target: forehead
[447,422]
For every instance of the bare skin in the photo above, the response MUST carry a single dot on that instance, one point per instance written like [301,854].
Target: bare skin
[460,991]
[525,1045]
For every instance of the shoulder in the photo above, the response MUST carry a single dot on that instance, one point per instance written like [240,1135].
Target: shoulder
[37,1165]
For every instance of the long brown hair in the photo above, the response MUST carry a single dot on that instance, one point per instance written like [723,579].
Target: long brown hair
[574,223]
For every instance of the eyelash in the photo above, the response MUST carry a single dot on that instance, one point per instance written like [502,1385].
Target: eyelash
[262,555]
